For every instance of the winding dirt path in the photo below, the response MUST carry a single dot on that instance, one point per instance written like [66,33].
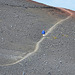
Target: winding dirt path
[49,31]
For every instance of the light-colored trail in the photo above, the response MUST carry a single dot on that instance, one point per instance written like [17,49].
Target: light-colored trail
[38,43]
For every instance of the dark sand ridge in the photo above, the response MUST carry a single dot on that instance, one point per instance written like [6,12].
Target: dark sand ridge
[21,29]
[24,3]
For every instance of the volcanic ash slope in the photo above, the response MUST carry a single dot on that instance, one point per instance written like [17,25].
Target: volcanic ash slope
[21,27]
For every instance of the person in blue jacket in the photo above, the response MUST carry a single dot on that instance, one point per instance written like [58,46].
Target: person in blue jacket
[43,32]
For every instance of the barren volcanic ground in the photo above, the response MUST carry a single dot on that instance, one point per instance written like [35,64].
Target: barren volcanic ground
[23,49]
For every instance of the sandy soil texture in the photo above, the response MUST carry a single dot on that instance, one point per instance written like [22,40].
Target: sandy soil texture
[23,49]
[20,30]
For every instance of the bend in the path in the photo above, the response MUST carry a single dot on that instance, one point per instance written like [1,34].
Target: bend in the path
[71,14]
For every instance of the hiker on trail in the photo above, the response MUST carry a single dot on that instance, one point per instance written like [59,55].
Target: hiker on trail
[43,32]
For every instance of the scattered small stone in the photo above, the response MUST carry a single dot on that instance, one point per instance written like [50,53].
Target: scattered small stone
[16,35]
[57,67]
[70,58]
[60,61]
[58,70]
[52,50]
[21,64]
[45,62]
[4,74]
[23,73]
[43,54]
[55,60]
[11,26]
[27,14]
[49,73]
[61,32]
[16,15]
[2,38]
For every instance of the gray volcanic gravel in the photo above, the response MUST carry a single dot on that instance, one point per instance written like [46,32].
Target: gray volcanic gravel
[55,56]
[20,30]
[21,23]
